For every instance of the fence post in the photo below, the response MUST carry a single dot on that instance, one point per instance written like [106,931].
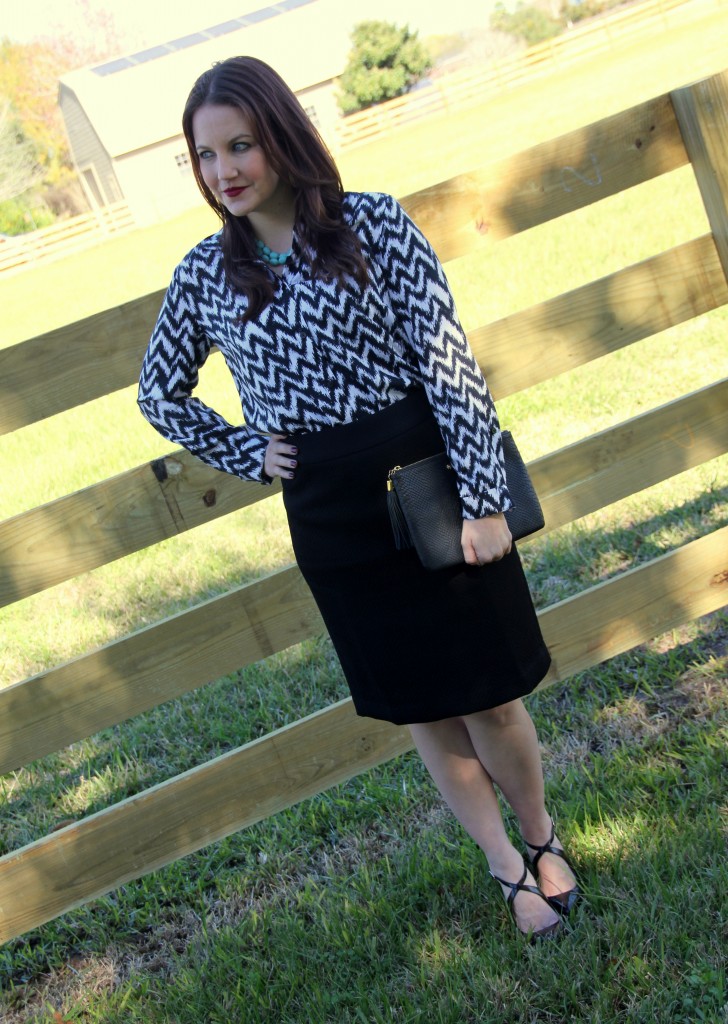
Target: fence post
[702,115]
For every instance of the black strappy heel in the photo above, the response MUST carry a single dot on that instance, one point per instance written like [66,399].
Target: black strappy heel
[516,887]
[562,902]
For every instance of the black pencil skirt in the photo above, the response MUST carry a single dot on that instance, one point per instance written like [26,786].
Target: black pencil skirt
[415,645]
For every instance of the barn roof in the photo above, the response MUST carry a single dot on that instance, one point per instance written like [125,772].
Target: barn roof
[136,100]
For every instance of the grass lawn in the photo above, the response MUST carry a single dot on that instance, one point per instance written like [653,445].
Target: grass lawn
[368,904]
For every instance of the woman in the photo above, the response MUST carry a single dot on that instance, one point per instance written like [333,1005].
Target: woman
[337,324]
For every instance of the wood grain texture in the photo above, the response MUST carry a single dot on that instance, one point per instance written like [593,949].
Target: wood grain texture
[123,679]
[138,835]
[75,363]
[154,665]
[637,606]
[177,817]
[603,316]
[81,531]
[634,455]
[88,528]
[702,114]
[549,180]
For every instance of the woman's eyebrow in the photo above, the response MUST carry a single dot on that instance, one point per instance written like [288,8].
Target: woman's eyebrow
[234,138]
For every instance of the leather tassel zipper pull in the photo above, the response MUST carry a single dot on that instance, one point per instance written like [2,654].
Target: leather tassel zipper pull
[402,538]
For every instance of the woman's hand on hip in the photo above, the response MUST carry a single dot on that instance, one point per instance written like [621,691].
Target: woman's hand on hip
[485,540]
[280,457]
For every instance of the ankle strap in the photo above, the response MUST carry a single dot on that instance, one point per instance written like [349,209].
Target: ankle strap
[545,848]
[516,887]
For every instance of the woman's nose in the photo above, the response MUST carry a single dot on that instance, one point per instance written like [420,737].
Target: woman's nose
[226,170]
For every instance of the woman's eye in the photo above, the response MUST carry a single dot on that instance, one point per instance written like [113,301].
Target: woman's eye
[240,147]
[205,154]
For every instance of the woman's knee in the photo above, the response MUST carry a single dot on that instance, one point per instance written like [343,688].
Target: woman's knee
[511,713]
[439,731]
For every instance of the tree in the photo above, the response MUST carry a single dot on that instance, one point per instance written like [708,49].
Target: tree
[385,61]
[29,81]
[20,170]
[20,174]
[530,23]
[29,74]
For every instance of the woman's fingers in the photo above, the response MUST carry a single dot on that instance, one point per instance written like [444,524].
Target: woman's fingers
[280,458]
[486,540]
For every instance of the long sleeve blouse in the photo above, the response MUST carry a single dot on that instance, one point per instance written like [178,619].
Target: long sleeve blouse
[323,353]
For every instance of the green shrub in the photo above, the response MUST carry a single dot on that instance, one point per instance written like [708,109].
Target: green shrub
[584,9]
[19,215]
[528,23]
[385,61]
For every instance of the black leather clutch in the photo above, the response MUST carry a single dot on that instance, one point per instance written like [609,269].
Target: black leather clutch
[425,509]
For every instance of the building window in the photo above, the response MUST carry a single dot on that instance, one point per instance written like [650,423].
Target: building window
[313,117]
[183,164]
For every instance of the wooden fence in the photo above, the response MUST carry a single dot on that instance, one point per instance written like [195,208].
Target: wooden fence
[65,236]
[474,85]
[145,505]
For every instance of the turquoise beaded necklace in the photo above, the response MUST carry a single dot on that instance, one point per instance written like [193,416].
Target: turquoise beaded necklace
[268,255]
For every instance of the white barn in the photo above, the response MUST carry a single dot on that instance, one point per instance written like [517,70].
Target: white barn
[123,117]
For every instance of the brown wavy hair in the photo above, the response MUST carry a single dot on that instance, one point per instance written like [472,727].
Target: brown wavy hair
[298,155]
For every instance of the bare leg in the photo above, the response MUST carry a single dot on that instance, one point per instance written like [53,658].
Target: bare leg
[506,744]
[454,764]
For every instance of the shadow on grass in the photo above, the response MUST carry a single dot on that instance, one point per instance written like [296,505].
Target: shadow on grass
[354,897]
[178,735]
[571,720]
[127,758]
[368,903]
[215,717]
[583,554]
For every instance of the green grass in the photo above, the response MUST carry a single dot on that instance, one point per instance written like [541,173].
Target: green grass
[368,904]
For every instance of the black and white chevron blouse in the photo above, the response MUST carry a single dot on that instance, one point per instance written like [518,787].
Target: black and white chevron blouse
[322,353]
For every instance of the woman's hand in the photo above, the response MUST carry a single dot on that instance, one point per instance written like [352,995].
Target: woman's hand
[485,540]
[280,457]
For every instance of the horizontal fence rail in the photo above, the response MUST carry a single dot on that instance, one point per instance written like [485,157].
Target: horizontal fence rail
[81,361]
[149,503]
[80,531]
[85,860]
[87,529]
[84,530]
[551,179]
[65,704]
[601,317]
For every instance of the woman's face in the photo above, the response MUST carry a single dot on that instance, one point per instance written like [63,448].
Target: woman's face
[233,165]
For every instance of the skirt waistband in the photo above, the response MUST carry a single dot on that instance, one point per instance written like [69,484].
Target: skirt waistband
[348,438]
